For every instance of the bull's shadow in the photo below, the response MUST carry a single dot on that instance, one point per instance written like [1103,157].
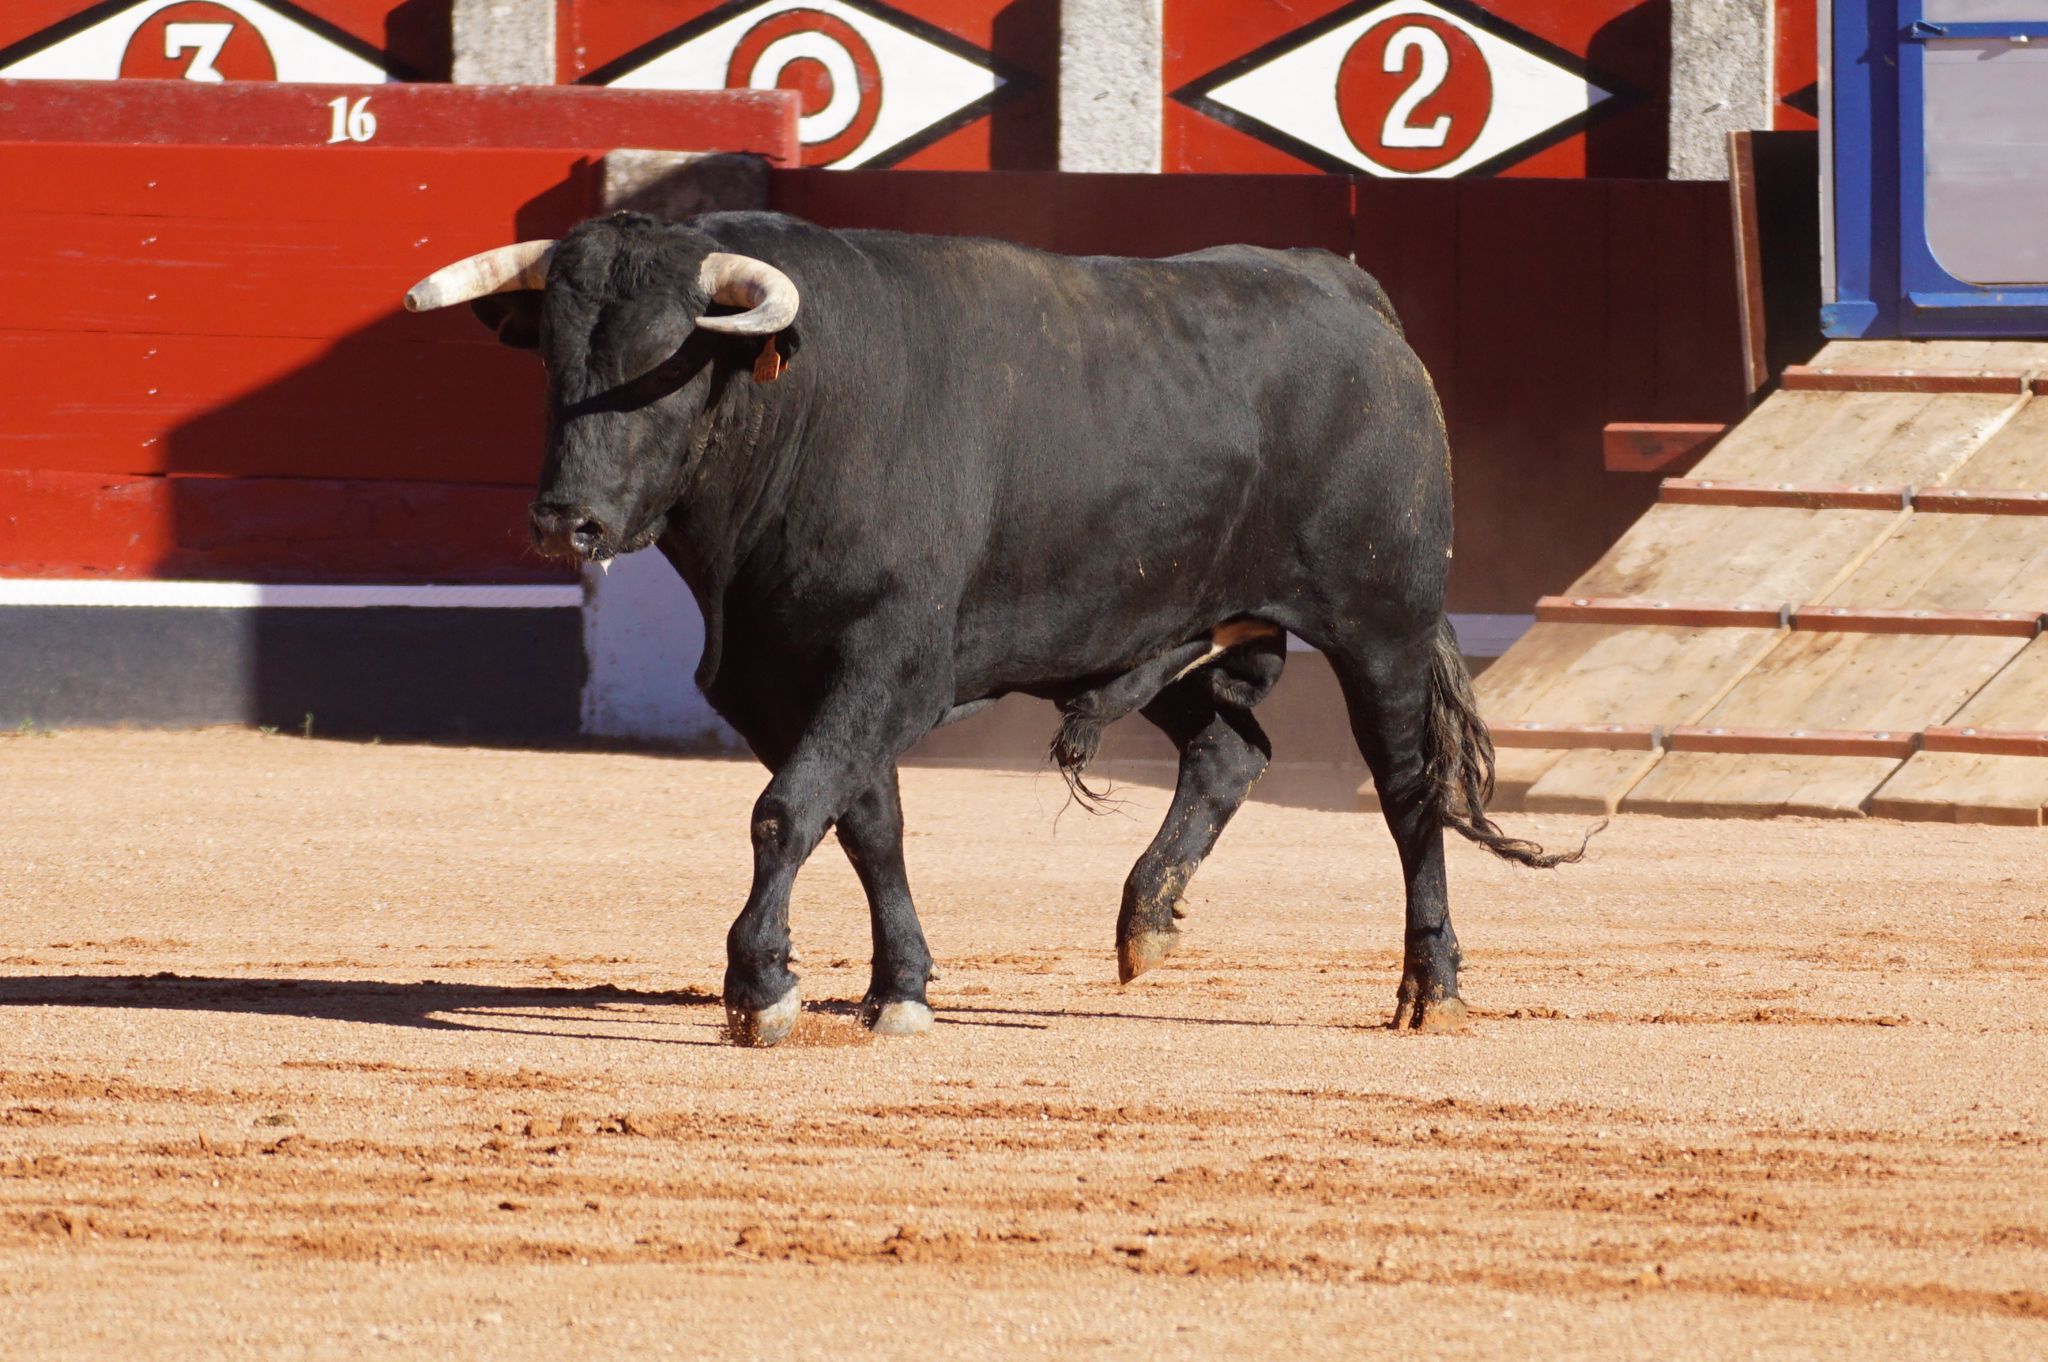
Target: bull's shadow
[426,1005]
[429,1005]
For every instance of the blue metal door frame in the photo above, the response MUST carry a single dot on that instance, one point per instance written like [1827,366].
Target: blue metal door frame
[1885,279]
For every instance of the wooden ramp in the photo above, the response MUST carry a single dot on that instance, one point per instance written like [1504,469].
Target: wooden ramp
[1838,612]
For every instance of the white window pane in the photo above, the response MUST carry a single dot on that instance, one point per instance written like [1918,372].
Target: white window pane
[1986,123]
[1983,11]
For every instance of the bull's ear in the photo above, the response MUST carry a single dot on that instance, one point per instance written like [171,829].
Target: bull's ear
[514,316]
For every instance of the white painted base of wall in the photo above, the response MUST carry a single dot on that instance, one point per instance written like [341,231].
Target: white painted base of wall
[642,636]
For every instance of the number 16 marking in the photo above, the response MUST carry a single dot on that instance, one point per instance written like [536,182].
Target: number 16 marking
[352,122]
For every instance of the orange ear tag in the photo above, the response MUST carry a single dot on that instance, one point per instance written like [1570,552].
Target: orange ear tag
[769,366]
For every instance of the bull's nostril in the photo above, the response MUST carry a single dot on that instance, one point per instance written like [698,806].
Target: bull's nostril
[588,534]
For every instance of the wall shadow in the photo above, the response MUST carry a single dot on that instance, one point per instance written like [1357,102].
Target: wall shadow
[1633,47]
[1024,132]
[402,453]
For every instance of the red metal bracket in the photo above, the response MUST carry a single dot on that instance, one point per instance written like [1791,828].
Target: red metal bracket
[1795,496]
[1986,742]
[1967,501]
[1610,737]
[1808,378]
[1654,446]
[1839,619]
[1633,610]
[1794,742]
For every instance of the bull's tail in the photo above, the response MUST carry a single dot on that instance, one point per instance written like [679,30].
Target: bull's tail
[1460,756]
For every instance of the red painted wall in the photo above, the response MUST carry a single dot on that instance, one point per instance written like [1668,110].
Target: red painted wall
[1544,309]
[204,371]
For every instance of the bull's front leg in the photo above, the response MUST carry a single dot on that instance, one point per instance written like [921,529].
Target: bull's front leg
[848,748]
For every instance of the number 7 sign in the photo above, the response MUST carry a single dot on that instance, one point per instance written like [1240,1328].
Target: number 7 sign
[208,42]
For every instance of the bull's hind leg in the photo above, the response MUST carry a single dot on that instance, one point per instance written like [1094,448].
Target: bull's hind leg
[1387,688]
[1223,751]
[871,831]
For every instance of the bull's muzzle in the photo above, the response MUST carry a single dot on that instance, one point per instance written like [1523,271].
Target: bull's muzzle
[568,531]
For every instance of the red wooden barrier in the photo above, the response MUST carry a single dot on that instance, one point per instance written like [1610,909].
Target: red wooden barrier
[181,313]
[256,113]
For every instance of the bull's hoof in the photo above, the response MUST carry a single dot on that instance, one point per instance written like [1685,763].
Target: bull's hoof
[1433,1016]
[1140,951]
[769,1026]
[904,1017]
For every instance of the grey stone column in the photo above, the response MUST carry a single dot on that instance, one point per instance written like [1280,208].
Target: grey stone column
[1723,78]
[1110,100]
[504,42]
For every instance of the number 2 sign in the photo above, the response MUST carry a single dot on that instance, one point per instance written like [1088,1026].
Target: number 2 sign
[1395,88]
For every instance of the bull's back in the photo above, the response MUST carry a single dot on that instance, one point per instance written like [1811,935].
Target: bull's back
[1119,451]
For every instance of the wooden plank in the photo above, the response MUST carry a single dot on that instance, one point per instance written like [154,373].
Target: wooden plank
[372,404]
[1880,438]
[1580,782]
[1799,496]
[1643,676]
[1749,265]
[423,114]
[493,190]
[1735,554]
[1953,564]
[1841,619]
[265,529]
[1817,378]
[223,276]
[1812,681]
[1954,787]
[1981,786]
[2015,458]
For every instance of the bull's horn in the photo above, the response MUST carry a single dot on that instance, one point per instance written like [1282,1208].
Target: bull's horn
[742,281]
[500,270]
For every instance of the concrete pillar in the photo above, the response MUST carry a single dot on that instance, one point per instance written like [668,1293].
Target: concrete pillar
[504,42]
[1110,96]
[1723,79]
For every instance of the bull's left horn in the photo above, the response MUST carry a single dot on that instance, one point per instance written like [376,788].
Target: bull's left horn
[499,270]
[742,281]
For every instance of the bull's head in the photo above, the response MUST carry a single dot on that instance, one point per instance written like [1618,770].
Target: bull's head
[618,309]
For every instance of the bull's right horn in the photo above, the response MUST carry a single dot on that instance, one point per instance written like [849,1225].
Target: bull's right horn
[502,269]
[767,293]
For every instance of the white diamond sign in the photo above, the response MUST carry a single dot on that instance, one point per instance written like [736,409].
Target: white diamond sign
[1404,88]
[875,83]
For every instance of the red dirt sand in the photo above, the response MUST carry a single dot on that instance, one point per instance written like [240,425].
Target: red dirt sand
[313,1049]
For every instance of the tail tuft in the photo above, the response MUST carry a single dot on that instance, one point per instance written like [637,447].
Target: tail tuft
[1073,747]
[1461,762]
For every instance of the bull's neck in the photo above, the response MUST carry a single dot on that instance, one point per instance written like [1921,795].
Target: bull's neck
[732,482]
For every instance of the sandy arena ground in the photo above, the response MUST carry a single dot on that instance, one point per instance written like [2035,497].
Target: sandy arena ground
[314,1049]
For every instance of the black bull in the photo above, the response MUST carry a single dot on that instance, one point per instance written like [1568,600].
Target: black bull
[988,469]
